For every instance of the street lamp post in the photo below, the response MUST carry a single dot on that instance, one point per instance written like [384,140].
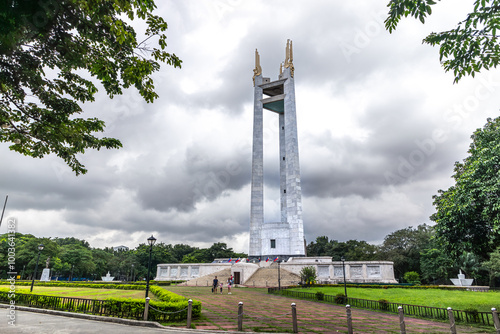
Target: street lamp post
[279,275]
[151,242]
[343,271]
[132,273]
[40,248]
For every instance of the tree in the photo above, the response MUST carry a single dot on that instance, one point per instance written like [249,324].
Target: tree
[101,258]
[78,259]
[493,266]
[403,247]
[360,251]
[353,250]
[49,51]
[468,213]
[219,250]
[322,247]
[162,253]
[308,275]
[27,253]
[436,265]
[71,241]
[470,265]
[180,250]
[465,50]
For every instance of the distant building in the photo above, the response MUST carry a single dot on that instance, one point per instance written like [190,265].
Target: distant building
[120,248]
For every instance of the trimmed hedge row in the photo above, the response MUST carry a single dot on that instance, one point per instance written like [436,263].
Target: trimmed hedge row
[172,307]
[165,295]
[86,285]
[89,284]
[169,299]
[158,311]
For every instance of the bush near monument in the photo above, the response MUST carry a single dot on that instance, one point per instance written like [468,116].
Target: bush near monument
[412,277]
[308,275]
[340,298]
[320,295]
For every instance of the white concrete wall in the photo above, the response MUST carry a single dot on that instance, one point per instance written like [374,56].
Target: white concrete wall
[246,270]
[279,232]
[187,271]
[329,271]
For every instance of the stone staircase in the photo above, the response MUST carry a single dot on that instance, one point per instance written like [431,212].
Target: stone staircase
[207,280]
[268,277]
[262,278]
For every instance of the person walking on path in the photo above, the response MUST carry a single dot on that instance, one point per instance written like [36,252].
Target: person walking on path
[229,284]
[221,286]
[215,285]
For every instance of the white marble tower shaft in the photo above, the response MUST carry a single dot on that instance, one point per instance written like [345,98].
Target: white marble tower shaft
[257,196]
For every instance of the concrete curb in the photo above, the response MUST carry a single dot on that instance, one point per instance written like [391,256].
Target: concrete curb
[132,322]
[129,322]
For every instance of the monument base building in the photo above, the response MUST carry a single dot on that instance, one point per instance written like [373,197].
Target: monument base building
[328,271]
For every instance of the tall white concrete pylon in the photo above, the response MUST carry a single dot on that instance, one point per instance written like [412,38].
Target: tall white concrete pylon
[284,238]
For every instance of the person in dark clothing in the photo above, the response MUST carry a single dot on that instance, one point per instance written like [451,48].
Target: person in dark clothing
[215,285]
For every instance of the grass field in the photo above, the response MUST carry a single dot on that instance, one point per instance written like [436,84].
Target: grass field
[458,300]
[86,293]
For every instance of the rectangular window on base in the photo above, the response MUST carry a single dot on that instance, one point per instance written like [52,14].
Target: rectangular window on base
[273,243]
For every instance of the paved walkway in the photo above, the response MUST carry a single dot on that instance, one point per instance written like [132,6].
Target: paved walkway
[270,313]
[263,313]
[42,323]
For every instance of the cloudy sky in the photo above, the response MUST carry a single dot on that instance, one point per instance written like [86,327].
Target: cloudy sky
[380,126]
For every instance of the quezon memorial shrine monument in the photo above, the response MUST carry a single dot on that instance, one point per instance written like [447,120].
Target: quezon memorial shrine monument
[281,243]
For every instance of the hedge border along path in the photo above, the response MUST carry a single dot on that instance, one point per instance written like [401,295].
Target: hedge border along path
[170,307]
[219,312]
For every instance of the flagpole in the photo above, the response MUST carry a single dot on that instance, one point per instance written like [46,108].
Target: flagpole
[1,218]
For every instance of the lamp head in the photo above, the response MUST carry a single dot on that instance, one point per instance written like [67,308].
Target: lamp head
[40,247]
[151,240]
[342,259]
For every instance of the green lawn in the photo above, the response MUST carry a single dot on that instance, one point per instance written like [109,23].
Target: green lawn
[458,300]
[87,293]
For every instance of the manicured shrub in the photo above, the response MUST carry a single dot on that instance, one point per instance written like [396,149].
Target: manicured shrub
[472,314]
[340,298]
[165,295]
[383,304]
[320,295]
[412,277]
